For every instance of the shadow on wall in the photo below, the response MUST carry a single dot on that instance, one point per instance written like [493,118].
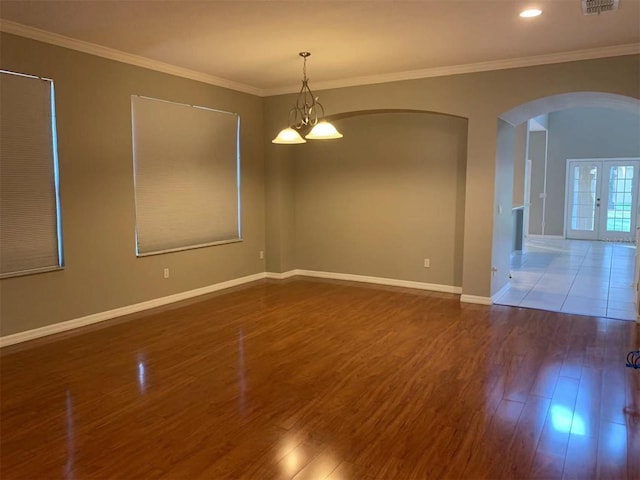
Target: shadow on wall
[387,196]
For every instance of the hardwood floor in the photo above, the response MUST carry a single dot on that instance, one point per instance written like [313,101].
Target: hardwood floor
[315,379]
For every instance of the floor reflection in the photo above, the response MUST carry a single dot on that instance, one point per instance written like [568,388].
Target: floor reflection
[564,420]
[71,447]
[141,373]
[242,381]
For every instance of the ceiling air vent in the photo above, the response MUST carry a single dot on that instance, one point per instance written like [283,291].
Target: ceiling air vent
[596,7]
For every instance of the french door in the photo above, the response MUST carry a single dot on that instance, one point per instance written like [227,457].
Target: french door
[602,198]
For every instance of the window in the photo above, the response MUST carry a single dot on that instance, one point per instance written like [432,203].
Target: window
[186,176]
[30,227]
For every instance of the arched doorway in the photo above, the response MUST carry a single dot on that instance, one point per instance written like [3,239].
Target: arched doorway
[572,260]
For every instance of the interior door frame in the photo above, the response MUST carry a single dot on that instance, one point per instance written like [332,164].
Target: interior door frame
[527,196]
[636,190]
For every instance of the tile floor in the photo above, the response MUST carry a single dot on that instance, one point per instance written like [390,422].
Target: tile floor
[573,276]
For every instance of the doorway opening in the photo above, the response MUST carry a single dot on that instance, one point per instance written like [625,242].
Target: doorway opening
[576,180]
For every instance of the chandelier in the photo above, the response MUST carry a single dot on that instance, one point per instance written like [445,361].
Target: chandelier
[307,112]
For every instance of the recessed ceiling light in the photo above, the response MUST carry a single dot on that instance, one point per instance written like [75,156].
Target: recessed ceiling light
[532,12]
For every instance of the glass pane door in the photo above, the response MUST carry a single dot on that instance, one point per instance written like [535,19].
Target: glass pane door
[619,199]
[583,204]
[602,197]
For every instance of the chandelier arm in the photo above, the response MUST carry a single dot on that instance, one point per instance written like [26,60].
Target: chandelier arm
[302,94]
[311,107]
[293,119]
[321,117]
[307,112]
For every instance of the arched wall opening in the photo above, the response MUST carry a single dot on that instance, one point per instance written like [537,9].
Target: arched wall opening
[502,224]
[383,199]
[481,98]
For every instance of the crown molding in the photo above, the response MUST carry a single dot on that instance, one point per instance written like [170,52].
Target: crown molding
[113,54]
[572,56]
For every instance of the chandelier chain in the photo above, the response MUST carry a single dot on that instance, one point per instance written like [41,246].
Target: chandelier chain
[307,110]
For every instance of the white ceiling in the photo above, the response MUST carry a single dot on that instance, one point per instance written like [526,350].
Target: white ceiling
[254,45]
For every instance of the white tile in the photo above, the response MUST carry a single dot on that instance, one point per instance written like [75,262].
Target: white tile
[559,268]
[620,262]
[621,314]
[589,276]
[513,296]
[558,289]
[556,282]
[566,262]
[627,250]
[601,293]
[621,281]
[557,278]
[585,306]
[590,271]
[599,254]
[584,277]
[597,262]
[622,271]
[622,259]
[626,256]
[622,306]
[543,301]
[525,278]
[591,282]
[621,294]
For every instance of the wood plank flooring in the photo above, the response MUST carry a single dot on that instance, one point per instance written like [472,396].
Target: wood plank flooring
[315,379]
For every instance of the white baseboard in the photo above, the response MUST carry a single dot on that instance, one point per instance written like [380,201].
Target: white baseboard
[281,276]
[118,312]
[500,292]
[476,299]
[158,302]
[548,237]
[434,287]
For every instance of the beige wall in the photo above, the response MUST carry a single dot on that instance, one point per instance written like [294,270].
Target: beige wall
[279,193]
[479,97]
[384,198]
[94,128]
[538,155]
[503,215]
[96,182]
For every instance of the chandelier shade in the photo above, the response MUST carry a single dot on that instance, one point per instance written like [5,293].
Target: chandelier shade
[307,112]
[323,130]
[288,136]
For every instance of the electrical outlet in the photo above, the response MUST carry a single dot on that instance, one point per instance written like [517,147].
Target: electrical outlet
[427,263]
[166,273]
[261,255]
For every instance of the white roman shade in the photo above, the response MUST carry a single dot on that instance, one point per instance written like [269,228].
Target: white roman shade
[29,223]
[186,173]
